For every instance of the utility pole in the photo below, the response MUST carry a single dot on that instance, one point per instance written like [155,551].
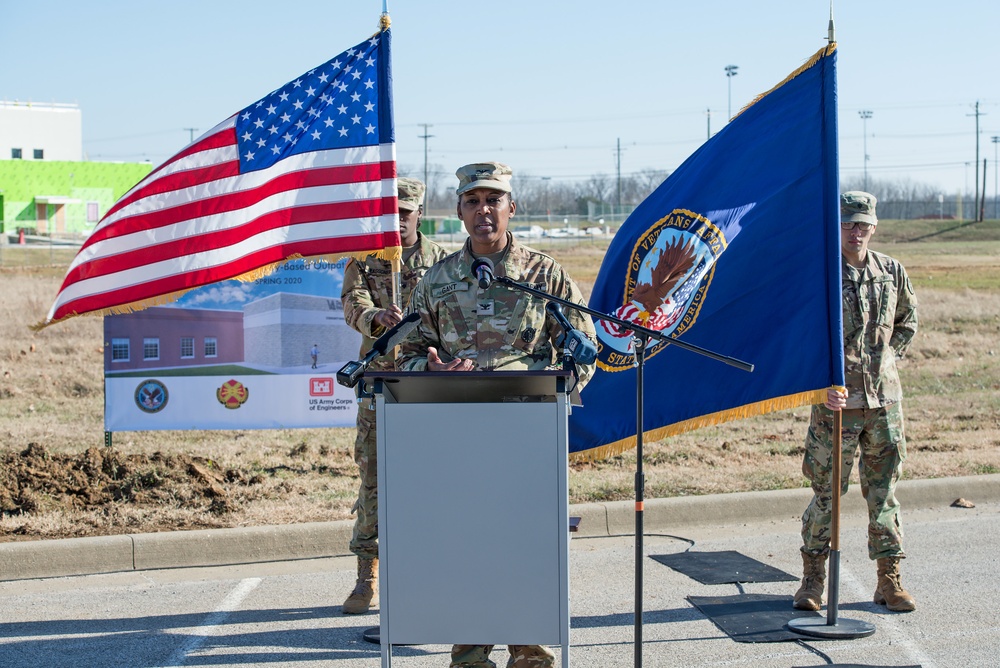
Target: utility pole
[618,168]
[996,182]
[977,114]
[191,132]
[982,203]
[730,73]
[425,137]
[865,114]
[708,119]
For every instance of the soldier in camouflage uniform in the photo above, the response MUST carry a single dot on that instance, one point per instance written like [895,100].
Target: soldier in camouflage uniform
[369,308]
[464,327]
[880,319]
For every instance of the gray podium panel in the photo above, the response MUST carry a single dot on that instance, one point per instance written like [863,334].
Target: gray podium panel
[473,520]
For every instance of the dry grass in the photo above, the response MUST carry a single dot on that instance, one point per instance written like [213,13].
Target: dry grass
[51,396]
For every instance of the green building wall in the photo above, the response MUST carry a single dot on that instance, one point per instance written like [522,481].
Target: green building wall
[101,182]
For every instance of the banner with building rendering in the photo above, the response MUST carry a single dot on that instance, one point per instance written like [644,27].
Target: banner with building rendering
[234,355]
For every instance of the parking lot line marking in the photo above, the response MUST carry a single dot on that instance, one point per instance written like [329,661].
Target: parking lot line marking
[213,620]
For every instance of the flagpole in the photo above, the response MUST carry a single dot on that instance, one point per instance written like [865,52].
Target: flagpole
[831,34]
[834,628]
[397,296]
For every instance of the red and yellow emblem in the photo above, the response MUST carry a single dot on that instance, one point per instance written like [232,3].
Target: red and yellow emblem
[232,394]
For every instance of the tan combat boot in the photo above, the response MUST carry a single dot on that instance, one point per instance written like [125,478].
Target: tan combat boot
[810,594]
[365,588]
[889,592]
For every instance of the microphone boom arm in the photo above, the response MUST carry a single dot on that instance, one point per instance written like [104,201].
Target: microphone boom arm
[631,326]
[351,373]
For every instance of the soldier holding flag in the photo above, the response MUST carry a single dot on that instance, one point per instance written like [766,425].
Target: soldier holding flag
[371,306]
[880,319]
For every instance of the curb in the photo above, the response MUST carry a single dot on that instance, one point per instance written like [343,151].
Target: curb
[609,519]
[245,545]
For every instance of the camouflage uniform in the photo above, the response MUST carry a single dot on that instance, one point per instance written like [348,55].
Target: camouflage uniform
[501,329]
[367,289]
[880,319]
[521,656]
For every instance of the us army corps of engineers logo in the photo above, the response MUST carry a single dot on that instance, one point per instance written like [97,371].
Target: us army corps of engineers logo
[668,276]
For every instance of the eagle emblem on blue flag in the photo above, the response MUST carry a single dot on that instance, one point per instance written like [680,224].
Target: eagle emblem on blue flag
[669,274]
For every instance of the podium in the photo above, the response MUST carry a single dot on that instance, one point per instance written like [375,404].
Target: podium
[473,508]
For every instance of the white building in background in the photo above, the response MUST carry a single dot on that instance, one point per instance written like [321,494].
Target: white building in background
[279,331]
[40,131]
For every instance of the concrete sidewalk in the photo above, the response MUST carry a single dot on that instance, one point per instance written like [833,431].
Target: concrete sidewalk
[220,547]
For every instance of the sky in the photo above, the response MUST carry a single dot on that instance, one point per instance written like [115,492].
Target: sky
[550,88]
[320,278]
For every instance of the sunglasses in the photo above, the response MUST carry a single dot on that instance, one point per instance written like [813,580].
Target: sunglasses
[864,227]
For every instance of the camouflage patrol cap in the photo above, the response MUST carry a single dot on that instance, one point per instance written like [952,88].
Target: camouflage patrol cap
[857,206]
[492,175]
[411,193]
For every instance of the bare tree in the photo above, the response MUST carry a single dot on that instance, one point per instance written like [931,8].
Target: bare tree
[529,193]
[649,180]
[901,198]
[598,188]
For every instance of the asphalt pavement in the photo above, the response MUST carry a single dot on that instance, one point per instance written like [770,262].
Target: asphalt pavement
[269,597]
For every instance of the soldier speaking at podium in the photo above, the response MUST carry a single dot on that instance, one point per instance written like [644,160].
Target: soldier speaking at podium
[465,327]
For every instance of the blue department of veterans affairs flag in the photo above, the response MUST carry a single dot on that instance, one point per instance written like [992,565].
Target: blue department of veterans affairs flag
[308,170]
[738,252]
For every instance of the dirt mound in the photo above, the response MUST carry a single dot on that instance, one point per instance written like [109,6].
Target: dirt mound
[35,480]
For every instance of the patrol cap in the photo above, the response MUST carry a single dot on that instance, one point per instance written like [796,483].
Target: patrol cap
[492,175]
[411,193]
[857,206]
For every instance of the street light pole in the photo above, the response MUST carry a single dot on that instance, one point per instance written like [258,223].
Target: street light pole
[865,114]
[730,73]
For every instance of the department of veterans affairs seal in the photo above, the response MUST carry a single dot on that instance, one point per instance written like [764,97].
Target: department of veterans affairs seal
[151,396]
[668,276]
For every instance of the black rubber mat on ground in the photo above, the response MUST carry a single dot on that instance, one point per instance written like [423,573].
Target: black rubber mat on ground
[725,567]
[752,617]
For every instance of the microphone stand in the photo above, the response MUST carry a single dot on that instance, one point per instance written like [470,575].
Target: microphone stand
[641,337]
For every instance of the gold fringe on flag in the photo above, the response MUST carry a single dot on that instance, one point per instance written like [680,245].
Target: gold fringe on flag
[392,254]
[728,415]
[822,53]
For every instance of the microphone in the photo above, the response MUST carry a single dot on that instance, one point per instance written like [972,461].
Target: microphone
[482,269]
[579,347]
[351,373]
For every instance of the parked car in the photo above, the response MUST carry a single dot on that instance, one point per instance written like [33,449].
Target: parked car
[528,231]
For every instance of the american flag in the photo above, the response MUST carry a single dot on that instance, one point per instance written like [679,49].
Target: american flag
[308,170]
